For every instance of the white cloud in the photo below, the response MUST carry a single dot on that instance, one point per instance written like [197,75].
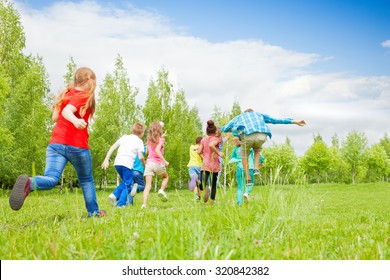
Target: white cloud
[386,44]
[267,78]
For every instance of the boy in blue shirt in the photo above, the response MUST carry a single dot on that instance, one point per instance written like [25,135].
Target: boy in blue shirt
[252,130]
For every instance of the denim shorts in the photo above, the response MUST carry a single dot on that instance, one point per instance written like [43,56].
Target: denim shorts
[194,170]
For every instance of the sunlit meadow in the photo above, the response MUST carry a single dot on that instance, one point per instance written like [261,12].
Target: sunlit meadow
[320,222]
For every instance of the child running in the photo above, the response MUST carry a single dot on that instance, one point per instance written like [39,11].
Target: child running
[130,146]
[243,191]
[138,178]
[251,127]
[222,140]
[194,165]
[155,163]
[74,108]
[209,149]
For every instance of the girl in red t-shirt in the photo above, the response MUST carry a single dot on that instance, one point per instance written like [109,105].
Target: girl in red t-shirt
[69,142]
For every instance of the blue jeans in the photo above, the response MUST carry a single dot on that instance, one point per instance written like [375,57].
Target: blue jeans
[121,192]
[138,178]
[57,155]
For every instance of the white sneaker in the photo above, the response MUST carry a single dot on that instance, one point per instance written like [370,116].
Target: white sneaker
[163,195]
[246,197]
[143,206]
[112,199]
[134,189]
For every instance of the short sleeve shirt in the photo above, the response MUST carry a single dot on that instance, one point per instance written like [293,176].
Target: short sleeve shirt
[64,131]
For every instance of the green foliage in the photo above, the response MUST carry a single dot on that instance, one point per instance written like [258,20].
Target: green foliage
[219,117]
[317,159]
[377,163]
[159,99]
[24,102]
[338,169]
[385,142]
[71,67]
[352,149]
[12,39]
[25,124]
[181,124]
[236,109]
[116,112]
[280,162]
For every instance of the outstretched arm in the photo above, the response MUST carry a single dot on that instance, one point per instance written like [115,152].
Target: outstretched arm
[229,126]
[105,163]
[300,123]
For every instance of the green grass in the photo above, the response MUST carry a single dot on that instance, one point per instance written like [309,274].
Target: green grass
[320,222]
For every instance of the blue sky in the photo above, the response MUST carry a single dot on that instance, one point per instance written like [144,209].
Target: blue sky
[327,62]
[343,29]
[351,31]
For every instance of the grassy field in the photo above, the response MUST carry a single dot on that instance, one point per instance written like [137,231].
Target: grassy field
[319,222]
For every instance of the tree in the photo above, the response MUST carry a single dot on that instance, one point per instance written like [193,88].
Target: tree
[317,159]
[181,123]
[385,143]
[25,113]
[158,101]
[338,169]
[377,163]
[12,39]
[352,150]
[236,109]
[280,162]
[184,126]
[335,141]
[219,117]
[71,70]
[116,112]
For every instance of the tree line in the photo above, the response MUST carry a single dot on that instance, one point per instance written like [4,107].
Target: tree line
[25,125]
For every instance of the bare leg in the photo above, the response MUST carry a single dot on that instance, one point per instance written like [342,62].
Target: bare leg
[246,169]
[164,182]
[148,186]
[257,159]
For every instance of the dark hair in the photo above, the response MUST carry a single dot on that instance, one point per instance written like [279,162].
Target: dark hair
[211,128]
[198,139]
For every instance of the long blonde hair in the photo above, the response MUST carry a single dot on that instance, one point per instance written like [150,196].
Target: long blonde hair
[85,79]
[155,133]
